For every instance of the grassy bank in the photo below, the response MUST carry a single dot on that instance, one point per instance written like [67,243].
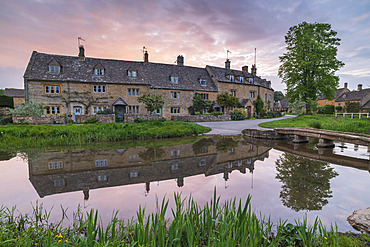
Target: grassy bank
[231,224]
[43,136]
[324,122]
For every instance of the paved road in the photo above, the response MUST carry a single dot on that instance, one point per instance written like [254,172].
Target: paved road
[236,127]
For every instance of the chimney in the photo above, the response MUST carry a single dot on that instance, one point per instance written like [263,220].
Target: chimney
[254,70]
[180,60]
[245,69]
[81,55]
[345,85]
[359,87]
[227,64]
[146,57]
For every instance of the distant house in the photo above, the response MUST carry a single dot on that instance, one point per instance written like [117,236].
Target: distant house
[361,96]
[17,94]
[322,101]
[75,85]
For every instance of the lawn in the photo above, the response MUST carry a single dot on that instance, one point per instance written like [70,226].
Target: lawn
[344,124]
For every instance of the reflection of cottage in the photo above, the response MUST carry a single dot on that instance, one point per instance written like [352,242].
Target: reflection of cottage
[361,96]
[59,172]
[82,85]
[17,94]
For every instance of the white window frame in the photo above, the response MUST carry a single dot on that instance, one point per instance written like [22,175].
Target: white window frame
[233,93]
[174,79]
[54,69]
[99,89]
[99,72]
[175,95]
[251,80]
[232,78]
[203,82]
[175,110]
[132,73]
[252,95]
[241,79]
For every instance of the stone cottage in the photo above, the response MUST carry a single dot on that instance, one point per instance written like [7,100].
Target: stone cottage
[74,85]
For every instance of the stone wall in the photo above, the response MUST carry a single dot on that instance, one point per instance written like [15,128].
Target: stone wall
[4,111]
[132,117]
[103,118]
[39,120]
[202,118]
[265,134]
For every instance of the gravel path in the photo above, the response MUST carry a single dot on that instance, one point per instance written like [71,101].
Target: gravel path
[226,128]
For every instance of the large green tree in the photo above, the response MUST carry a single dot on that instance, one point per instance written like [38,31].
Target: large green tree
[226,100]
[310,62]
[152,101]
[278,95]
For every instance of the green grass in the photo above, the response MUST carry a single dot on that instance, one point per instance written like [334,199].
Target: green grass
[233,223]
[344,124]
[46,136]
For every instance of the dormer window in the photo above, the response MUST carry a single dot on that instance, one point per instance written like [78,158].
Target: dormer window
[250,80]
[231,77]
[241,79]
[54,67]
[132,72]
[99,70]
[174,79]
[203,82]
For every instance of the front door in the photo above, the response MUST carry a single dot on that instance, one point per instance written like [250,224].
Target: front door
[249,111]
[77,110]
[120,110]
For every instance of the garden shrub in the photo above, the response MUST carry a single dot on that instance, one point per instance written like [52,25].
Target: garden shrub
[353,107]
[217,113]
[5,120]
[92,120]
[6,101]
[315,124]
[238,114]
[28,108]
[339,108]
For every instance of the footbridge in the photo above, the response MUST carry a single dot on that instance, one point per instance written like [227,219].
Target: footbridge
[326,137]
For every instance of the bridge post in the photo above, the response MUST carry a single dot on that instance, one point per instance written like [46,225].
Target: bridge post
[300,139]
[325,143]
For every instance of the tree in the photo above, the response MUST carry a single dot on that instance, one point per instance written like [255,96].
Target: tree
[152,101]
[309,65]
[258,103]
[199,104]
[28,108]
[227,101]
[278,96]
[306,183]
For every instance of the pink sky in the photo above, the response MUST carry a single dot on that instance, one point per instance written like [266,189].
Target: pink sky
[200,30]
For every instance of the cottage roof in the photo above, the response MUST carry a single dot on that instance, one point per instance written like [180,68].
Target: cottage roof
[154,74]
[14,92]
[339,91]
[222,73]
[353,95]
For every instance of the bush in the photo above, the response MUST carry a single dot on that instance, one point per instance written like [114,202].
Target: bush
[217,113]
[315,124]
[138,120]
[339,108]
[106,111]
[28,108]
[5,120]
[353,107]
[6,101]
[92,121]
[238,114]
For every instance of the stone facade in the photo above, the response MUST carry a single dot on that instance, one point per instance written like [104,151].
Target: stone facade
[202,118]
[103,118]
[39,120]
[84,86]
[132,117]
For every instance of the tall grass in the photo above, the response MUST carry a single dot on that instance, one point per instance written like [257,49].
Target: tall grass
[20,136]
[187,224]
[344,124]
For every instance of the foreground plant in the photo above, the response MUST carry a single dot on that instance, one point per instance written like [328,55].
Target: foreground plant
[187,224]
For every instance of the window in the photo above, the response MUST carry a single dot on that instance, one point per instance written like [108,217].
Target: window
[233,93]
[134,174]
[99,72]
[202,163]
[204,96]
[55,165]
[250,80]
[229,164]
[174,167]
[132,109]
[134,158]
[231,150]
[265,97]
[250,147]
[175,153]
[97,109]
[203,82]
[52,110]
[59,182]
[158,111]
[326,101]
[204,110]
[240,162]
[203,150]
[175,79]
[252,95]
[133,91]
[241,79]
[101,163]
[232,108]
[132,73]
[175,109]
[54,69]
[232,78]
[52,89]
[102,178]
[175,95]
[99,89]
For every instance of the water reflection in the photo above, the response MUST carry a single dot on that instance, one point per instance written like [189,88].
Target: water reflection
[5,155]
[306,182]
[53,172]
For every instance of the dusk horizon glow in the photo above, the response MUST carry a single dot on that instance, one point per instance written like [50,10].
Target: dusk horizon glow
[201,31]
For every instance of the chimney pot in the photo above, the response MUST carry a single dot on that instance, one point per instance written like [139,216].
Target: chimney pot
[227,64]
[254,70]
[359,87]
[245,69]
[146,57]
[180,60]
[81,55]
[345,85]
